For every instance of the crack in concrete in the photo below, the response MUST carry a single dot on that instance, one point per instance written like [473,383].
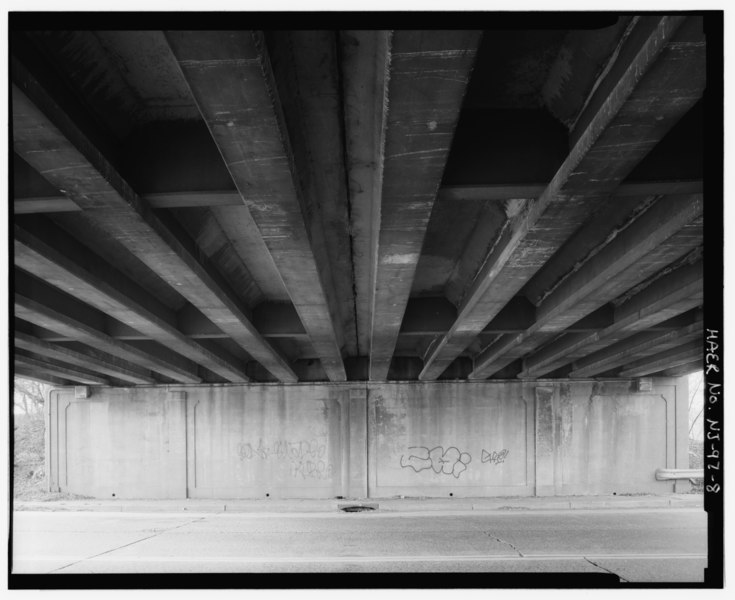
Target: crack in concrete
[156,534]
[504,542]
[605,569]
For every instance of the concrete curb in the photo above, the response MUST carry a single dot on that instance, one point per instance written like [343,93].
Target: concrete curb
[384,505]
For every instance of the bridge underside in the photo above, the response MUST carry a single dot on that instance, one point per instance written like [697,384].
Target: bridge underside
[486,243]
[282,206]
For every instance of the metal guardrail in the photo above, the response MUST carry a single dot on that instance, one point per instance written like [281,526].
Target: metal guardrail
[664,474]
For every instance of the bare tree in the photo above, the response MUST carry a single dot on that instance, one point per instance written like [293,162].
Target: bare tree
[29,395]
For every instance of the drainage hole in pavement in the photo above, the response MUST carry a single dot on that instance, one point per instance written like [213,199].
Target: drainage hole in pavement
[355,508]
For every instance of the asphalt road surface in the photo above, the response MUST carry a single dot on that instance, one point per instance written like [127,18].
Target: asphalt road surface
[638,545]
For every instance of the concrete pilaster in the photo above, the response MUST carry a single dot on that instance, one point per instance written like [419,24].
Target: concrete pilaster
[682,432]
[545,443]
[356,484]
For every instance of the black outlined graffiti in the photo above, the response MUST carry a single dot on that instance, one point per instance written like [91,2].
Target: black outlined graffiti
[494,457]
[449,462]
[306,459]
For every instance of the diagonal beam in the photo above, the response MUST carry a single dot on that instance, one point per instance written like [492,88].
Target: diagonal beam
[58,369]
[674,293]
[28,373]
[56,204]
[112,293]
[637,112]
[46,138]
[651,242]
[89,358]
[429,72]
[681,355]
[47,317]
[231,79]
[686,369]
[636,347]
[528,191]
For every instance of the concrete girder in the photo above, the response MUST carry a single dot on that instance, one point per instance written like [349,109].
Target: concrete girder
[612,142]
[612,215]
[682,370]
[635,347]
[44,377]
[429,72]
[668,229]
[111,293]
[674,357]
[674,293]
[58,369]
[44,316]
[230,76]
[428,316]
[306,69]
[89,358]
[46,138]
[229,235]
[55,204]
[449,193]
[366,69]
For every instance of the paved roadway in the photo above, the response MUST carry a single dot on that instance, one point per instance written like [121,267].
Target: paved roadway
[639,545]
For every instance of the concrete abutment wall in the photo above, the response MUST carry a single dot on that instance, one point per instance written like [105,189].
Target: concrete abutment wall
[357,440]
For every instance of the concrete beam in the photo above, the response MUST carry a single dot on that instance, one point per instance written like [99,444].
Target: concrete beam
[530,191]
[193,199]
[306,69]
[271,319]
[635,347]
[610,217]
[429,72]
[682,370]
[47,204]
[365,73]
[672,294]
[58,369]
[618,266]
[112,293]
[57,204]
[27,373]
[49,318]
[46,138]
[89,358]
[625,261]
[674,357]
[637,112]
[230,76]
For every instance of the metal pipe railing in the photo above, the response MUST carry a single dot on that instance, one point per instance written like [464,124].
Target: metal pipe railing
[664,474]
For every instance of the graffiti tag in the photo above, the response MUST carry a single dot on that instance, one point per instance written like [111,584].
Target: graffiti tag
[494,457]
[449,462]
[305,459]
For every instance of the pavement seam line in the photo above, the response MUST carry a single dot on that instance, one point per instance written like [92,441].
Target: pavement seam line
[156,534]
[605,569]
[504,542]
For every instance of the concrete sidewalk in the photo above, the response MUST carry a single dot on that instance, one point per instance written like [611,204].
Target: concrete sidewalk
[394,505]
